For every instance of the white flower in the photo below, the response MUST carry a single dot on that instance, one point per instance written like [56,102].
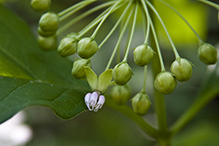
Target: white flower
[94,101]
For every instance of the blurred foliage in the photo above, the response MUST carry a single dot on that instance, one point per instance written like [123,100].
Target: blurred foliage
[108,127]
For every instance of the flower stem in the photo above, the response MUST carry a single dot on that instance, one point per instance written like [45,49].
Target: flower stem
[165,29]
[73,9]
[63,28]
[155,36]
[104,18]
[119,40]
[132,33]
[116,25]
[198,37]
[145,79]
[210,4]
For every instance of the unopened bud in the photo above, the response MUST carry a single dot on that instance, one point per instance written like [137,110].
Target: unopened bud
[207,53]
[141,103]
[67,46]
[87,47]
[120,94]
[143,55]
[122,73]
[49,21]
[40,5]
[182,69]
[47,43]
[78,68]
[165,82]
[45,33]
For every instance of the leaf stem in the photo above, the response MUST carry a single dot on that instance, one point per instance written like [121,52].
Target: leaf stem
[210,4]
[152,132]
[165,29]
[204,98]
[196,34]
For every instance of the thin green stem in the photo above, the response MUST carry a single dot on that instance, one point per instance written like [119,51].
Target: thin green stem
[116,25]
[155,36]
[147,128]
[73,9]
[196,34]
[104,18]
[119,40]
[204,98]
[146,26]
[210,4]
[165,29]
[145,79]
[96,21]
[132,33]
[63,28]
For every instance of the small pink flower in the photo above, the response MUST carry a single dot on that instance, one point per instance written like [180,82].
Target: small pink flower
[94,101]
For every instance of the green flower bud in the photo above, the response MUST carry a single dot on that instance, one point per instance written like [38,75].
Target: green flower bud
[122,73]
[40,5]
[143,54]
[45,33]
[67,46]
[165,82]
[207,53]
[141,103]
[78,71]
[47,43]
[120,94]
[182,69]
[87,47]
[49,21]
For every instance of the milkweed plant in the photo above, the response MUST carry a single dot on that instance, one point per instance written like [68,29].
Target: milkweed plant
[84,44]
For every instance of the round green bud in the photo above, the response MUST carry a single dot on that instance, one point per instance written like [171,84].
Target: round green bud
[45,33]
[87,47]
[47,43]
[120,94]
[49,21]
[165,82]
[122,73]
[141,103]
[143,54]
[67,46]
[78,71]
[182,69]
[207,53]
[40,5]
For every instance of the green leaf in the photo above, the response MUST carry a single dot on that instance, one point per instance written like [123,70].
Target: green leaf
[104,80]
[91,77]
[30,76]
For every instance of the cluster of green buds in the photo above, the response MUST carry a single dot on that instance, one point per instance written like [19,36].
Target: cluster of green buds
[118,74]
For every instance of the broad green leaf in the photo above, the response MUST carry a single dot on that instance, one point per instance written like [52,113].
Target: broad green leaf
[91,77]
[30,76]
[104,80]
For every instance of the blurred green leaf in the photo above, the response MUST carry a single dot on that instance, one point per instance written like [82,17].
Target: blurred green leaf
[30,76]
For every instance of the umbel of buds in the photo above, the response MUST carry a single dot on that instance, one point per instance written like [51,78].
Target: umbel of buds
[40,5]
[68,46]
[182,69]
[87,47]
[141,103]
[120,94]
[165,82]
[78,71]
[207,53]
[49,22]
[143,54]
[122,73]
